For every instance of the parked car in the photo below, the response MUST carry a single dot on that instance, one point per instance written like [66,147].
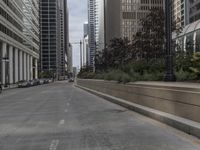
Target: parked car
[41,81]
[71,80]
[36,82]
[46,81]
[23,83]
[50,80]
[31,82]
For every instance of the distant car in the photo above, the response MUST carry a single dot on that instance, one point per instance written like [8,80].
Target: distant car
[31,82]
[71,80]
[41,81]
[36,82]
[50,80]
[46,81]
[23,84]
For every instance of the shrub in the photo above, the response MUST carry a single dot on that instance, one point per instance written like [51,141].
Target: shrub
[184,76]
[196,64]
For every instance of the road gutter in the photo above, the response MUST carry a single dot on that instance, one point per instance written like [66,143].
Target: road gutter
[185,125]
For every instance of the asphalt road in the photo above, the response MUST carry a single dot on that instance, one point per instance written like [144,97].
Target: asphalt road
[59,116]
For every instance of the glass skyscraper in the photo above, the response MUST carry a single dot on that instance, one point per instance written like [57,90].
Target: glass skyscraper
[54,41]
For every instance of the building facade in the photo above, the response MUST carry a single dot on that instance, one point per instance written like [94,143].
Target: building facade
[69,59]
[100,26]
[19,40]
[185,12]
[189,38]
[54,37]
[85,50]
[194,10]
[122,18]
[132,12]
[92,14]
[180,9]
[112,20]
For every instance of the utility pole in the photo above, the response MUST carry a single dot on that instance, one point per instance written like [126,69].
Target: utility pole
[169,76]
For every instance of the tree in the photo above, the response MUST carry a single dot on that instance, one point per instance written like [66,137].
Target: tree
[196,64]
[149,41]
[117,53]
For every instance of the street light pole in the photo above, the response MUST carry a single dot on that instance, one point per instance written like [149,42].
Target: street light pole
[169,76]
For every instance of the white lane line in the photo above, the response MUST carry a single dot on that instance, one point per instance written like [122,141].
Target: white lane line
[54,145]
[66,110]
[61,122]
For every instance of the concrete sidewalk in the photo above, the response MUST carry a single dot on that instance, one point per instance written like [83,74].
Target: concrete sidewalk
[188,126]
[12,86]
[169,84]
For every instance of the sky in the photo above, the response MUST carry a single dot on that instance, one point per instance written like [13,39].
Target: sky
[77,17]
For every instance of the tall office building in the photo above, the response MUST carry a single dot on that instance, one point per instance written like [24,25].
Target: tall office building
[189,38]
[19,40]
[100,26]
[112,20]
[194,10]
[132,12]
[185,12]
[180,10]
[92,30]
[122,18]
[53,36]
[69,59]
[85,49]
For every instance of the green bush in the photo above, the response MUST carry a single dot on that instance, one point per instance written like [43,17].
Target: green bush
[185,76]
[156,76]
[99,76]
[113,75]
[186,69]
[196,64]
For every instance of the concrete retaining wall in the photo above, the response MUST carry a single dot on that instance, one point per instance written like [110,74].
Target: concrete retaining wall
[182,102]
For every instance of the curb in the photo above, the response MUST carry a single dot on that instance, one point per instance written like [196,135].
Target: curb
[10,87]
[185,125]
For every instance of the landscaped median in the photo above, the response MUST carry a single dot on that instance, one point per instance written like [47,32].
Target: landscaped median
[176,104]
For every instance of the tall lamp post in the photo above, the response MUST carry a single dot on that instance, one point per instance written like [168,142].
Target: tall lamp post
[169,76]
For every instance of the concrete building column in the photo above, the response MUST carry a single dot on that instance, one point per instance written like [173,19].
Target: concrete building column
[28,67]
[184,43]
[4,52]
[20,65]
[36,68]
[25,66]
[11,65]
[194,39]
[16,66]
[31,67]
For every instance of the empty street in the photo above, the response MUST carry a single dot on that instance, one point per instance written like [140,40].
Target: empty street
[60,116]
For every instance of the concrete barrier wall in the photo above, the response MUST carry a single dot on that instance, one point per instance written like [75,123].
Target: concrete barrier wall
[177,101]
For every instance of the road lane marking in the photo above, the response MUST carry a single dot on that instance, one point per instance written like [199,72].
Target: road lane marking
[66,110]
[54,145]
[61,122]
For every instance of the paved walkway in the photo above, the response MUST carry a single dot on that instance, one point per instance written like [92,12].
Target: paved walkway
[169,84]
[9,86]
